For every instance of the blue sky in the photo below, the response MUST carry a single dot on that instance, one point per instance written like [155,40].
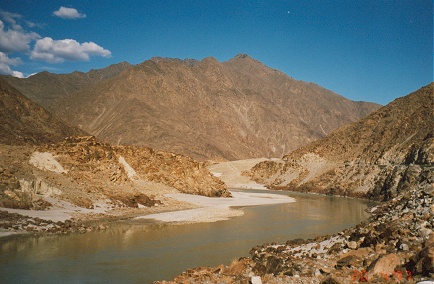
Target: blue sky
[371,50]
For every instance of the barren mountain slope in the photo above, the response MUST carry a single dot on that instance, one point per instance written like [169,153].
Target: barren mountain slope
[209,110]
[376,156]
[24,122]
[46,88]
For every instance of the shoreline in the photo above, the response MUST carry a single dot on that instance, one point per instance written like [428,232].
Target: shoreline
[394,245]
[176,208]
[213,210]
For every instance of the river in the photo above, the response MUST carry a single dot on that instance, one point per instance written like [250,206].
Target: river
[140,251]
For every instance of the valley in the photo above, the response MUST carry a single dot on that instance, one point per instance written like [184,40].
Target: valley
[186,142]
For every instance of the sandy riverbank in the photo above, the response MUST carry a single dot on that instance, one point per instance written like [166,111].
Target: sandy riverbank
[175,207]
[61,213]
[216,209]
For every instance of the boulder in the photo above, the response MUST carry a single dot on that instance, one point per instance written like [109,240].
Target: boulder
[329,280]
[426,257]
[256,280]
[384,265]
[361,253]
[352,245]
[236,268]
[349,261]
[274,265]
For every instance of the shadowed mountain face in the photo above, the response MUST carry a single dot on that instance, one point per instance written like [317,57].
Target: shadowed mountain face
[378,156]
[207,109]
[24,122]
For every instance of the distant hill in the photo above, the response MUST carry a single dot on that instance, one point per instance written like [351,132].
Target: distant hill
[45,88]
[206,109]
[377,157]
[24,122]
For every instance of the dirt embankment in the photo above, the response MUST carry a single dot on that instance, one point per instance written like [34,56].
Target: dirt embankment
[84,177]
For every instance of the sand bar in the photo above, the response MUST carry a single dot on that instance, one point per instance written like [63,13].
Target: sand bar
[60,211]
[216,209]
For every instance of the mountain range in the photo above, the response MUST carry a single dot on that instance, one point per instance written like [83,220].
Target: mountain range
[206,109]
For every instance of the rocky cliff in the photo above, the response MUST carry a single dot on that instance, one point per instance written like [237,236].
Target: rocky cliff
[375,157]
[204,109]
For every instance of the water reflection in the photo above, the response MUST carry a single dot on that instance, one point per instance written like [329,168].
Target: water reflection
[140,251]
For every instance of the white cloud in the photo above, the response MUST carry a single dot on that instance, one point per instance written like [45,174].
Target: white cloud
[17,74]
[11,18]
[10,61]
[5,63]
[15,39]
[68,13]
[57,51]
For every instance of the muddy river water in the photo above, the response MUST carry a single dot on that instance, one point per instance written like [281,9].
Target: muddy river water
[140,251]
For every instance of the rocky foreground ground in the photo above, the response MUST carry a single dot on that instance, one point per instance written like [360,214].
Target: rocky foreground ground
[396,245]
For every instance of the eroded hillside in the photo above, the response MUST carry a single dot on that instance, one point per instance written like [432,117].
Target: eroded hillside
[85,172]
[375,157]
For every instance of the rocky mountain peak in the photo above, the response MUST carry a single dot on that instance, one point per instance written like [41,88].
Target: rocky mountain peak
[164,59]
[209,63]
[242,57]
[191,62]
[210,59]
[245,59]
